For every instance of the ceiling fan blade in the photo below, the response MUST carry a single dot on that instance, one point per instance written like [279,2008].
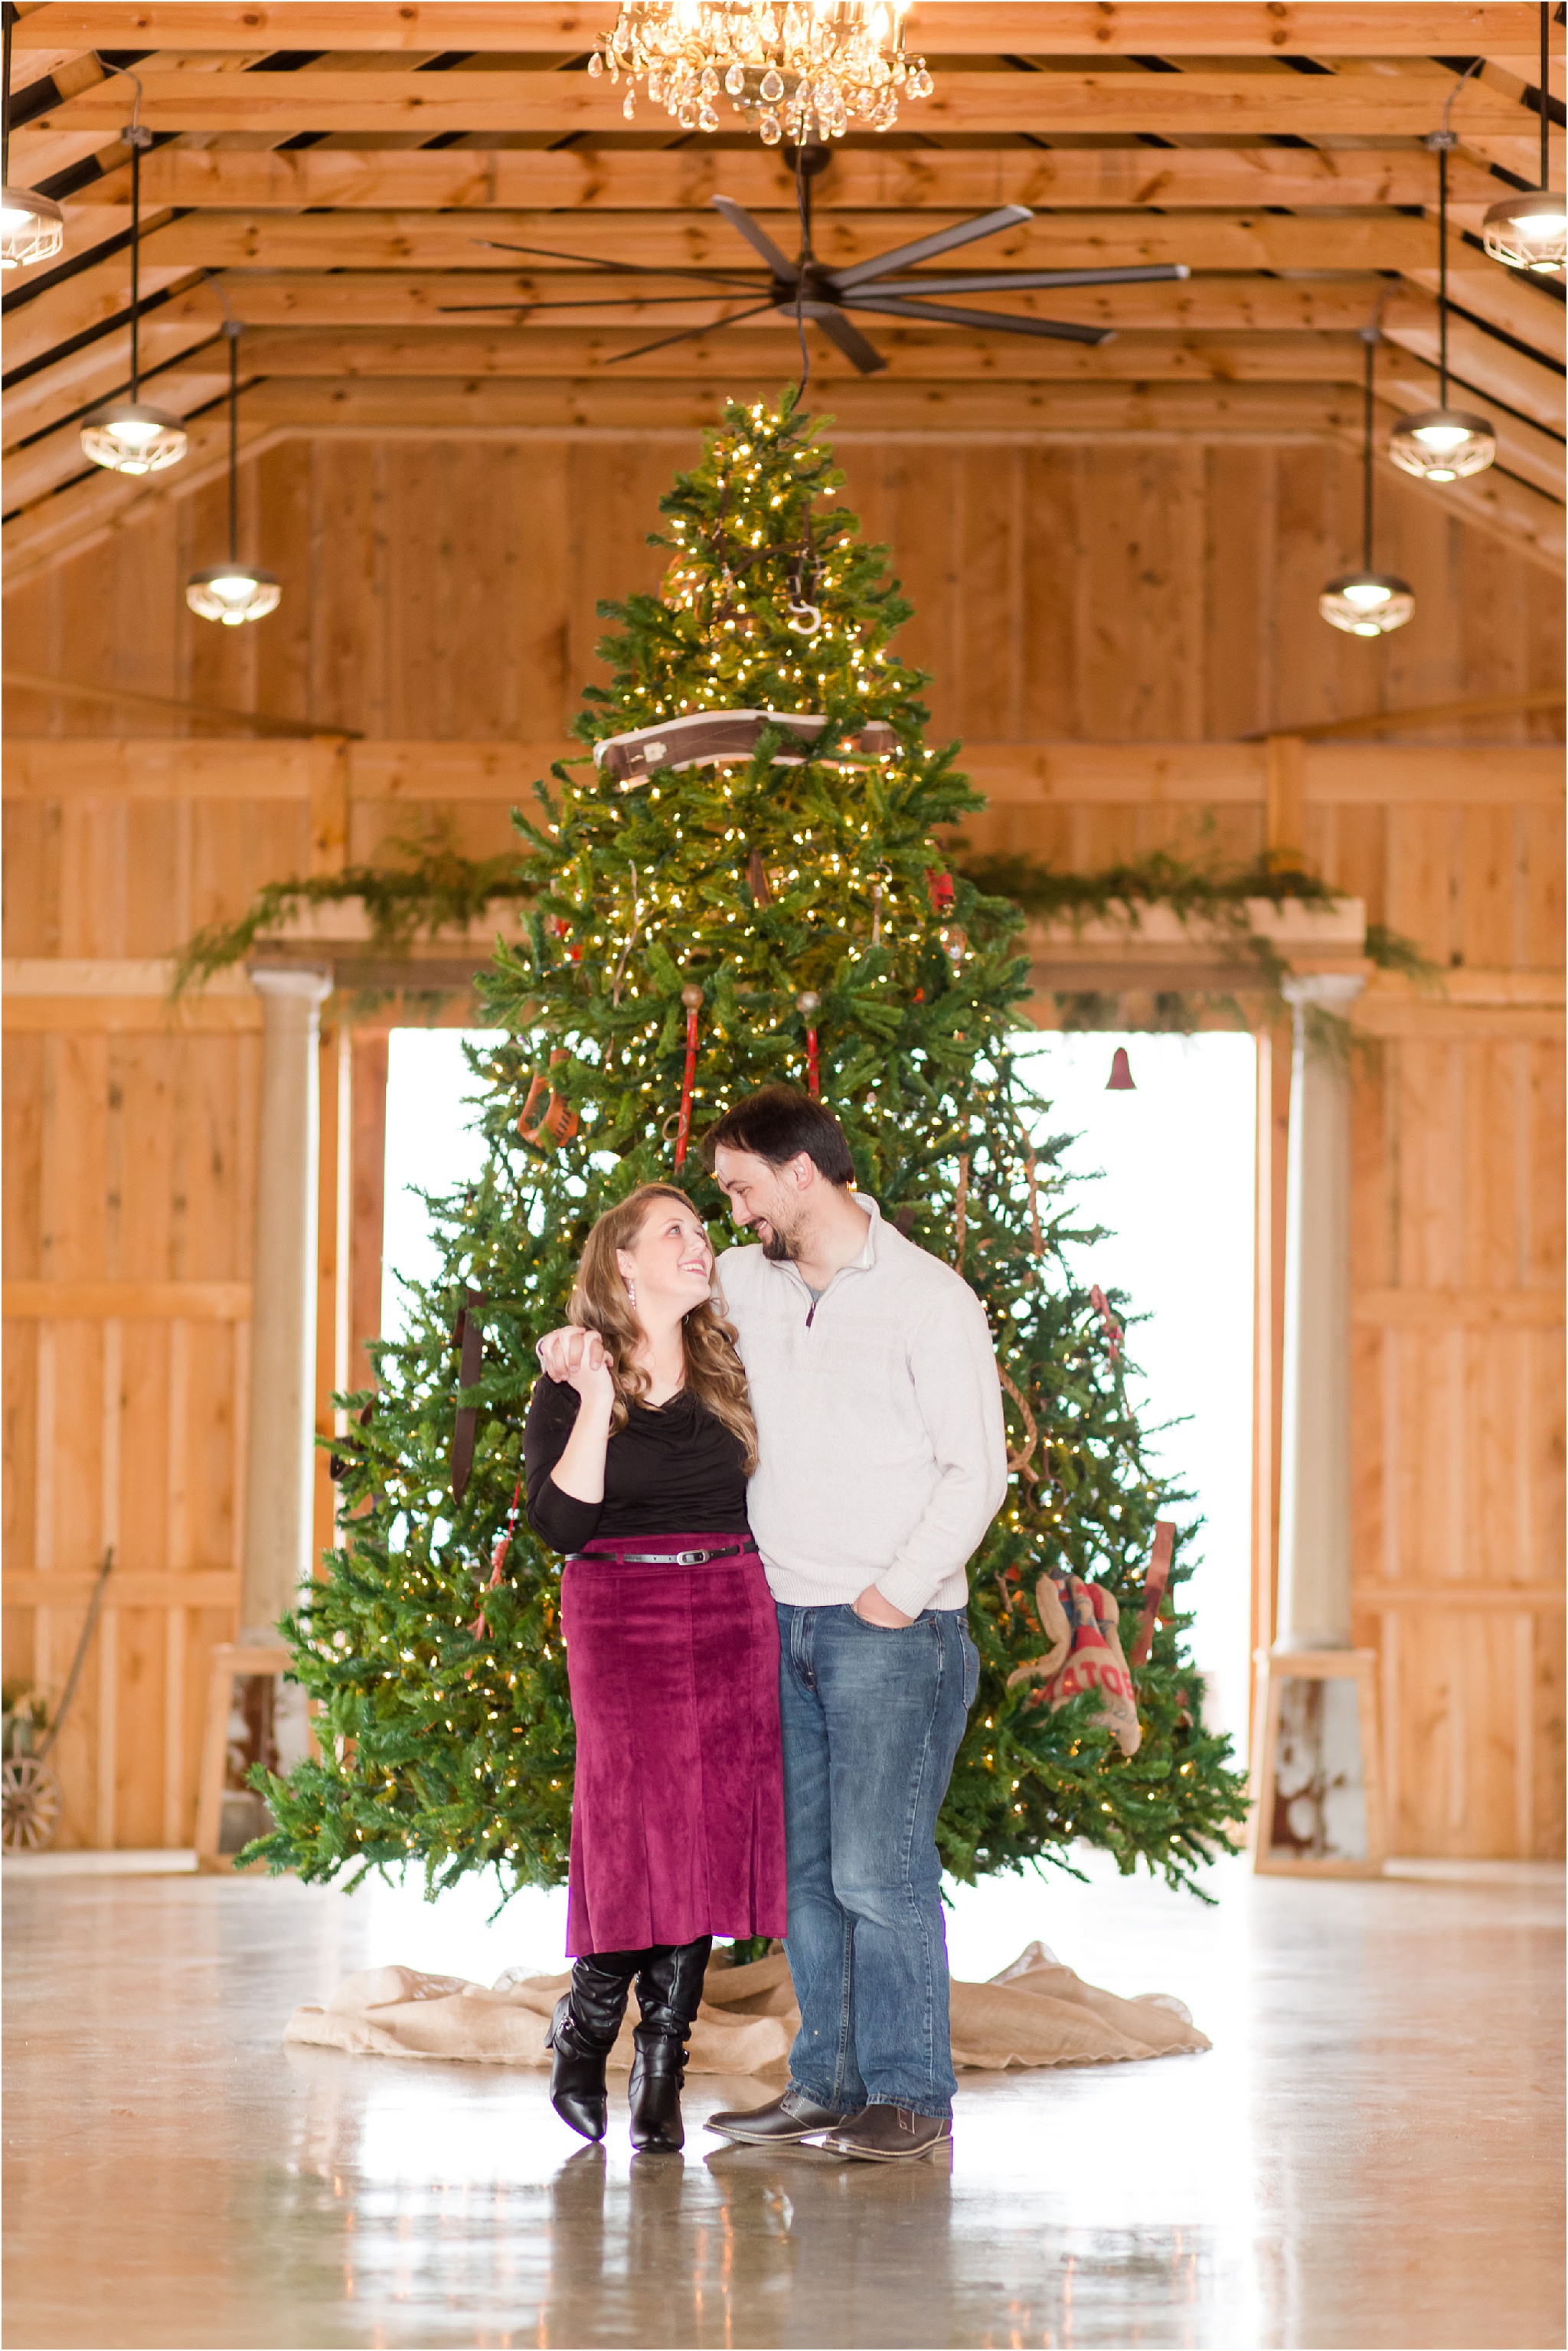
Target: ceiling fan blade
[622,268]
[688,334]
[851,341]
[757,237]
[1023,281]
[942,314]
[905,257]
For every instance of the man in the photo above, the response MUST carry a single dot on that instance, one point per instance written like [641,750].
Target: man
[884,1460]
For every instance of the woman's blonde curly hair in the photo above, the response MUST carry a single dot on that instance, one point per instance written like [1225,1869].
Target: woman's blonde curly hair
[715,1375]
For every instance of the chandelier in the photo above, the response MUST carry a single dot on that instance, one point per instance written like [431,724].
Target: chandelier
[32,228]
[1443,444]
[797,69]
[1530,230]
[1364,603]
[233,592]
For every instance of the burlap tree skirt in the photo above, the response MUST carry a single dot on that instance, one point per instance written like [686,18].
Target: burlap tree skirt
[1036,2013]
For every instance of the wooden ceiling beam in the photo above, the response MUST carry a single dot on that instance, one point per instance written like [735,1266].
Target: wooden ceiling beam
[939,27]
[859,178]
[1204,240]
[1201,104]
[928,353]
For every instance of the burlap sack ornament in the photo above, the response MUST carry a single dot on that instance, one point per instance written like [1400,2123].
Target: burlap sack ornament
[1079,1622]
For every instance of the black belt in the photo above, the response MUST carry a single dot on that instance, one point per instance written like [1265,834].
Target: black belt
[658,1558]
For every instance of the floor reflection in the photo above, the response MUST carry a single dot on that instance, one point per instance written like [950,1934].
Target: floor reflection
[1367,2157]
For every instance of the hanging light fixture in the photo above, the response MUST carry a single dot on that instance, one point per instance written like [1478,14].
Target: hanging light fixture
[1442,443]
[1530,230]
[1367,603]
[131,436]
[805,70]
[32,228]
[233,592]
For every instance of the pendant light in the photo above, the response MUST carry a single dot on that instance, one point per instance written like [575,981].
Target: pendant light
[233,592]
[1367,603]
[32,228]
[130,436]
[1530,230]
[1442,443]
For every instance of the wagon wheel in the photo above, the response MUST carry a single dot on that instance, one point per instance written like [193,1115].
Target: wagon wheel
[31,1795]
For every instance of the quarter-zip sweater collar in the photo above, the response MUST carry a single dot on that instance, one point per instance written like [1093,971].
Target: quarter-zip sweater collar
[879,1418]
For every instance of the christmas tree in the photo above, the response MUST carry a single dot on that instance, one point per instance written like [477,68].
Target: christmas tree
[779,914]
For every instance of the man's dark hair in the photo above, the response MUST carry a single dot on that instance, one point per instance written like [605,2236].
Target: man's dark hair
[778,1124]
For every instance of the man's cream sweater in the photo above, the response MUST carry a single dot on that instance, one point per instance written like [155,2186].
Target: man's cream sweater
[879,1422]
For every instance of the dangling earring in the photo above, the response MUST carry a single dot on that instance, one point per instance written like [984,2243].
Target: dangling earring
[631,1295]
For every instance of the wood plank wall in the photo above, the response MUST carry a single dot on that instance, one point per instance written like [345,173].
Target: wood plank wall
[1115,591]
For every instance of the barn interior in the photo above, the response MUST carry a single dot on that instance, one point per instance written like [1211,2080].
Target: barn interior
[371,261]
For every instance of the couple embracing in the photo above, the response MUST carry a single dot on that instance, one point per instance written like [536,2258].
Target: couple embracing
[769,1497]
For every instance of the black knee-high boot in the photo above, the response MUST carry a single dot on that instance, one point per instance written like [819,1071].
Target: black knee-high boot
[669,1988]
[582,2034]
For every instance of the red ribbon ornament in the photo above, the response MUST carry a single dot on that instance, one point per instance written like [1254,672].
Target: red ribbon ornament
[498,1556]
[1154,1584]
[692,998]
[806,1003]
[1108,1321]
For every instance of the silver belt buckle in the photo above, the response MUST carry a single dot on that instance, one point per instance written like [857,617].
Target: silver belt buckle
[691,1558]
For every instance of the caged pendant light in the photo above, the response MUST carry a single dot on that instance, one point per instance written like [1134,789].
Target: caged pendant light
[233,592]
[1367,603]
[32,228]
[1442,443]
[1530,230]
[132,436]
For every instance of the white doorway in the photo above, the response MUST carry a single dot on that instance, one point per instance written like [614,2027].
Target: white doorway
[1175,1159]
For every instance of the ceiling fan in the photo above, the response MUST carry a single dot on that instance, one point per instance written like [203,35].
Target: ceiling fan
[807,288]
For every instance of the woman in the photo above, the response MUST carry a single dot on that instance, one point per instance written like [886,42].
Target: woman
[637,1467]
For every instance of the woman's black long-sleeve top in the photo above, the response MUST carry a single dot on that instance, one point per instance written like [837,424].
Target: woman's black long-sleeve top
[673,1470]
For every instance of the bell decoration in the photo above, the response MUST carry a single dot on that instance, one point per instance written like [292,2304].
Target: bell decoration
[1120,1079]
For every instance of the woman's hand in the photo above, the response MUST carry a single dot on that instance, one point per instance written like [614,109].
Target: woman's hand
[585,1366]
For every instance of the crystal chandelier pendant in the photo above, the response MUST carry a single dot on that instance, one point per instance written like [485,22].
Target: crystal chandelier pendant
[128,436]
[810,71]
[1367,603]
[233,593]
[1442,445]
[32,228]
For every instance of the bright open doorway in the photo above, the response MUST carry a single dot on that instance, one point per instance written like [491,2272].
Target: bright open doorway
[1173,1161]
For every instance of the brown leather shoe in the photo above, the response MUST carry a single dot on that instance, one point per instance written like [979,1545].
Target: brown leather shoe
[781,2122]
[889,2135]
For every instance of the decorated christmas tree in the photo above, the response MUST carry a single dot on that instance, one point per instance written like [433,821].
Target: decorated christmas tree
[722,902]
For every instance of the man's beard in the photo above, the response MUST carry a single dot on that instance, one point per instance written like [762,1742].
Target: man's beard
[778,1248]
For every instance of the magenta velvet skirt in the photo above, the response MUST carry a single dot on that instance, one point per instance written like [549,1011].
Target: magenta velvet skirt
[677,1814]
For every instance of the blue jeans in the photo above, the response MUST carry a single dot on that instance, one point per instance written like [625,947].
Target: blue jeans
[872,1722]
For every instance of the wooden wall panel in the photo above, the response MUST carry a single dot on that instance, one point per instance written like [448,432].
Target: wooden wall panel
[445,590]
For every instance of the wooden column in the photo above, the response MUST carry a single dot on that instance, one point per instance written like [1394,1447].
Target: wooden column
[281,1414]
[1314,1466]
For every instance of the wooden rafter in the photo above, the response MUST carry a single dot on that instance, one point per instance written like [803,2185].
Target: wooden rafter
[947,27]
[343,259]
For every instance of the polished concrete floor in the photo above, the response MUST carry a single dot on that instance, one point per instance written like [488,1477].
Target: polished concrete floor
[1369,2157]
